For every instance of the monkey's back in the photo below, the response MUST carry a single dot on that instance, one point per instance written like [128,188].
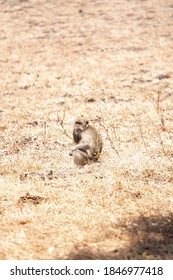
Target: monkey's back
[93,137]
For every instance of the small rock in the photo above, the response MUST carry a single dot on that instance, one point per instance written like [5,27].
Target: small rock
[163,76]
[90,100]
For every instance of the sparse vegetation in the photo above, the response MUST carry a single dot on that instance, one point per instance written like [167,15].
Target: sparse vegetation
[111,61]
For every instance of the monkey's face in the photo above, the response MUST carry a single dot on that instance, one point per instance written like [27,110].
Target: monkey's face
[80,125]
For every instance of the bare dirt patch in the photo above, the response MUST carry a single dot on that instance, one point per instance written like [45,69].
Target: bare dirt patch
[111,61]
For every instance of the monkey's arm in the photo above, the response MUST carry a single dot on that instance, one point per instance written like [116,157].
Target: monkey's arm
[82,147]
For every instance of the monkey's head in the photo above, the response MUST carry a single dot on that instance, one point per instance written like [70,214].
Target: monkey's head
[80,125]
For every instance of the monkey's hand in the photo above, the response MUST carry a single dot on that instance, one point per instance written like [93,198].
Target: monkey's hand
[71,152]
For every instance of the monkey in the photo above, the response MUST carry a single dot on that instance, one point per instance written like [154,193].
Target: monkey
[88,142]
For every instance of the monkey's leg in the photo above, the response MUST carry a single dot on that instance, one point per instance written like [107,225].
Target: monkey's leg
[80,157]
[82,147]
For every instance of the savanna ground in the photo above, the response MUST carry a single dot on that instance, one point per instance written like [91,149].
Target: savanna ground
[112,62]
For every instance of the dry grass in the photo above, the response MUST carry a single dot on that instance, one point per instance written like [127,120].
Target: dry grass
[111,61]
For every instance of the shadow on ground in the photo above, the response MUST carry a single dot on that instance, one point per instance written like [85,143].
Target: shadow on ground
[150,238]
